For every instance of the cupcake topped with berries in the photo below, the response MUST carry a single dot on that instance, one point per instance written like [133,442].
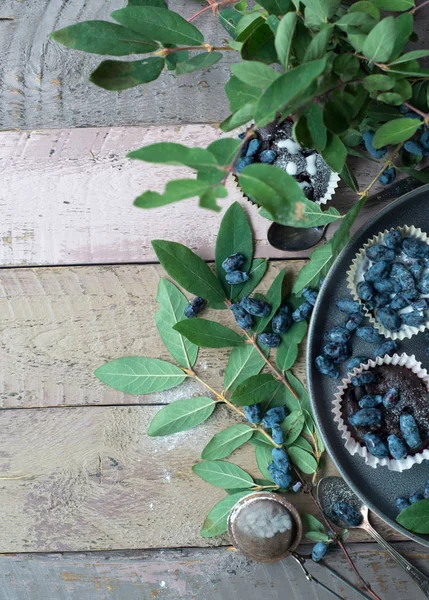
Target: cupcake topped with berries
[274,144]
[390,278]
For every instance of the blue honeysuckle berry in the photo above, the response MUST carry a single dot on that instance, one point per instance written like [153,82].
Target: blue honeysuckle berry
[410,431]
[365,290]
[297,486]
[242,163]
[353,322]
[338,334]
[236,277]
[274,416]
[381,300]
[242,317]
[369,401]
[368,136]
[367,417]
[387,347]
[397,447]
[282,320]
[369,334]
[347,513]
[387,286]
[413,319]
[411,295]
[426,490]
[268,156]
[402,503]
[379,270]
[253,147]
[363,378]
[280,477]
[303,312]
[393,239]
[319,551]
[351,307]
[194,307]
[391,397]
[270,340]
[423,284]
[414,248]
[388,176]
[375,445]
[326,367]
[378,252]
[389,319]
[356,362]
[336,351]
[234,262]
[253,413]
[277,434]
[413,148]
[420,305]
[280,458]
[398,302]
[424,140]
[417,268]
[310,295]
[256,307]
[416,497]
[403,275]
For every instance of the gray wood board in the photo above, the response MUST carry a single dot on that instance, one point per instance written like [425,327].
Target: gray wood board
[44,85]
[206,574]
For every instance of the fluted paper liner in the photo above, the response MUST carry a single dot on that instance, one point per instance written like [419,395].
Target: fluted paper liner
[355,447]
[355,275]
[332,183]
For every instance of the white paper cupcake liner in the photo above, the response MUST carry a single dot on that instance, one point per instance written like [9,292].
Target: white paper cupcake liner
[332,183]
[355,447]
[359,266]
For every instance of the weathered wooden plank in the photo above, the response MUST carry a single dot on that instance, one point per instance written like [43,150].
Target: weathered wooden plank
[43,84]
[66,198]
[206,574]
[60,324]
[89,478]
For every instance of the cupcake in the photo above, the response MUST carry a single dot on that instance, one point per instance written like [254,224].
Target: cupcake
[382,411]
[274,144]
[390,278]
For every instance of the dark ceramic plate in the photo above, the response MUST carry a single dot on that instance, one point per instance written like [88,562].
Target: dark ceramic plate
[379,487]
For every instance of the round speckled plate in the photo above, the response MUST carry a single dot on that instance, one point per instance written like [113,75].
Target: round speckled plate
[379,487]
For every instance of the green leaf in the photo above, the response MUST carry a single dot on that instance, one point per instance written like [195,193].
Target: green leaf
[380,42]
[139,375]
[396,131]
[415,517]
[116,75]
[404,28]
[172,304]
[356,22]
[316,127]
[254,73]
[181,416]
[323,257]
[256,273]
[169,153]
[200,61]
[274,298]
[189,270]
[284,37]
[224,150]
[286,89]
[173,59]
[223,474]
[317,536]
[398,5]
[258,439]
[335,153]
[390,98]
[292,426]
[229,18]
[322,9]
[226,441]
[275,7]
[303,460]
[103,37]
[247,25]
[254,389]
[346,66]
[409,56]
[376,83]
[159,24]
[319,44]
[244,362]
[422,176]
[282,198]
[311,523]
[287,352]
[263,455]
[260,46]
[349,179]
[239,94]
[157,3]
[301,442]
[179,189]
[240,117]
[208,334]
[216,521]
[365,6]
[273,23]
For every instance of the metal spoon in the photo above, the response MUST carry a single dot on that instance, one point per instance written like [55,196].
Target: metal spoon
[332,489]
[295,239]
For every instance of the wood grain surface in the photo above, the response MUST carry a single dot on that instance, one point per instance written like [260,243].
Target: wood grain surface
[67,198]
[204,574]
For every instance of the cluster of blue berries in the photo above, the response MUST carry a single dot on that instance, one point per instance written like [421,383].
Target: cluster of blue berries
[390,287]
[232,267]
[250,153]
[194,307]
[403,502]
[345,513]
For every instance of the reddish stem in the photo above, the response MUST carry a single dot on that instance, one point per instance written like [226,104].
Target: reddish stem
[416,8]
[212,5]
[416,110]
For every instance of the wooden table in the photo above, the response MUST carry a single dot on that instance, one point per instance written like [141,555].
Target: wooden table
[91,507]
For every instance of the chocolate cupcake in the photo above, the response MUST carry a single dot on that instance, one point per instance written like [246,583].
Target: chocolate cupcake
[389,276]
[382,411]
[274,144]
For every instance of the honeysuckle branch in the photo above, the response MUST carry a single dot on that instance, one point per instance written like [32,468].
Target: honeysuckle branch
[207,47]
[425,116]
[212,6]
[388,163]
[416,8]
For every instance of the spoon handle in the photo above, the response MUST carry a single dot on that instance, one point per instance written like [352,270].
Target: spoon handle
[417,576]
